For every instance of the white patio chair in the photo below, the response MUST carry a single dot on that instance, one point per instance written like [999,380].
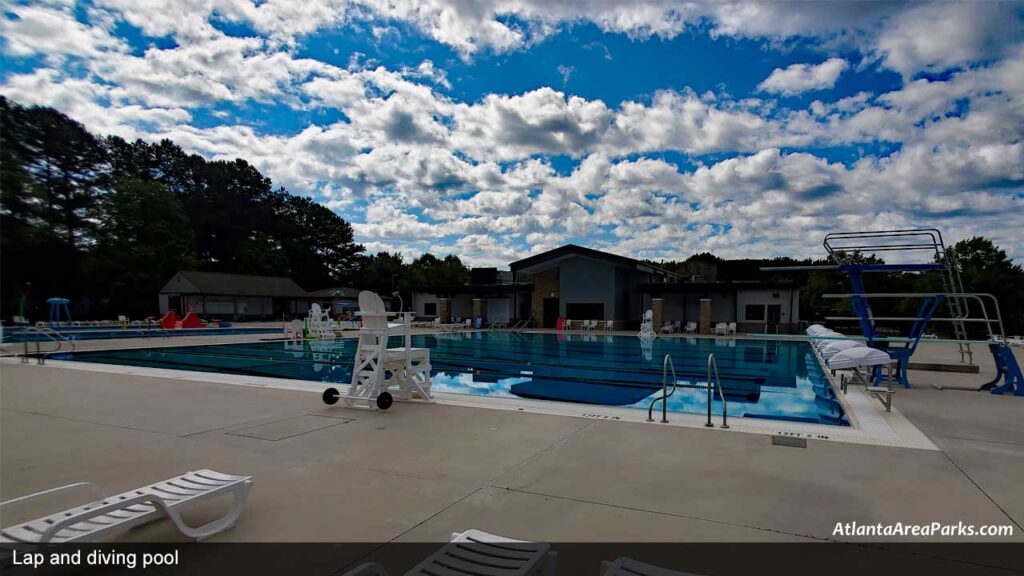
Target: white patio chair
[609,325]
[691,328]
[667,327]
[721,328]
[731,328]
[106,517]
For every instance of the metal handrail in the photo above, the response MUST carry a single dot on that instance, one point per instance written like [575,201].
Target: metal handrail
[713,364]
[979,297]
[666,365]
[50,333]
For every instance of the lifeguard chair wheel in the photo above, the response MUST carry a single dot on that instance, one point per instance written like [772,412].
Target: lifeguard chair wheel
[384,401]
[331,396]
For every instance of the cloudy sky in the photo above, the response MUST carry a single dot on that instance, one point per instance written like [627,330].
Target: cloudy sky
[494,129]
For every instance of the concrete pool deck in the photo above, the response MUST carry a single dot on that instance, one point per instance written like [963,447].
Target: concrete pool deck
[419,472]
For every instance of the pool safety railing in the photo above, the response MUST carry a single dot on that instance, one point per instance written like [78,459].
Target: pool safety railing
[991,318]
[713,370]
[665,392]
[519,326]
[50,334]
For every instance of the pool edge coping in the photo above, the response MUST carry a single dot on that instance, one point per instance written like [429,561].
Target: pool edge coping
[892,430]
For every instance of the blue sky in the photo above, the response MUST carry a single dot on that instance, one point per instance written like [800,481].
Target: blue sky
[495,130]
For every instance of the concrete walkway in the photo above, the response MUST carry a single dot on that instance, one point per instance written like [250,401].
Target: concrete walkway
[417,473]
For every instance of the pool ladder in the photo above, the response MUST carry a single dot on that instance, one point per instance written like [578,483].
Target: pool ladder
[667,366]
[49,333]
[713,369]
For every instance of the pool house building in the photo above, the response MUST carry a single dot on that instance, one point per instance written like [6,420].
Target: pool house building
[250,297]
[585,284]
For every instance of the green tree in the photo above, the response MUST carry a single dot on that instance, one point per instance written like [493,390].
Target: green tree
[317,243]
[143,239]
[984,267]
[384,272]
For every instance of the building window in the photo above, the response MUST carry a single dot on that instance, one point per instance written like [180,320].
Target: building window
[755,313]
[585,311]
[430,309]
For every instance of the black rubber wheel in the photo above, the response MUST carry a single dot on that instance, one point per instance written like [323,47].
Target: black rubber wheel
[384,401]
[331,396]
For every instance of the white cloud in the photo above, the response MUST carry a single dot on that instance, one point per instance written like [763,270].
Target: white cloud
[53,34]
[940,36]
[416,169]
[798,78]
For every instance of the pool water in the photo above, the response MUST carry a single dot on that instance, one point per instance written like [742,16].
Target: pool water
[99,333]
[760,378]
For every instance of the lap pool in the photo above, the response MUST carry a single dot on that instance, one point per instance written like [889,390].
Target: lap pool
[779,380]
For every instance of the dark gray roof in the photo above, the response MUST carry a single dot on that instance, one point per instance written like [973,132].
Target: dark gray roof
[224,284]
[572,249]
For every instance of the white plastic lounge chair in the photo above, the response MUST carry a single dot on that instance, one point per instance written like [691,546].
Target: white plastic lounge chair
[721,328]
[480,553]
[731,327]
[857,357]
[834,347]
[668,327]
[106,517]
[623,566]
[691,328]
[863,357]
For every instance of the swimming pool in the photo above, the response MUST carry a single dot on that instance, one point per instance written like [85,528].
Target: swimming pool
[94,333]
[779,380]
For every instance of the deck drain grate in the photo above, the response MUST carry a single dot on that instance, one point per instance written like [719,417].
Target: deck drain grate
[791,441]
[290,427]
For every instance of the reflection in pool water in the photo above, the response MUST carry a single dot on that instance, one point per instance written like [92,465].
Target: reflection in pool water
[760,378]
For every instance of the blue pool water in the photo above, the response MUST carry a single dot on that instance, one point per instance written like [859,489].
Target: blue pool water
[89,333]
[760,378]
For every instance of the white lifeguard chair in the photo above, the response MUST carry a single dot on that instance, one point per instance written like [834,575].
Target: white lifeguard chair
[647,326]
[320,323]
[380,374]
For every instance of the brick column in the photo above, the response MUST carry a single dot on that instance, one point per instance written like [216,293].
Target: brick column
[444,310]
[480,308]
[545,285]
[656,308]
[705,316]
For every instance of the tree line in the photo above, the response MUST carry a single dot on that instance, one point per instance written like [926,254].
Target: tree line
[106,222]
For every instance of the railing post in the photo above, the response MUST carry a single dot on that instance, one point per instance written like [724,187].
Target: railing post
[709,423]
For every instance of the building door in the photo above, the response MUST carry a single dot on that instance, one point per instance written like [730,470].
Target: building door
[280,307]
[550,312]
[174,303]
[774,317]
